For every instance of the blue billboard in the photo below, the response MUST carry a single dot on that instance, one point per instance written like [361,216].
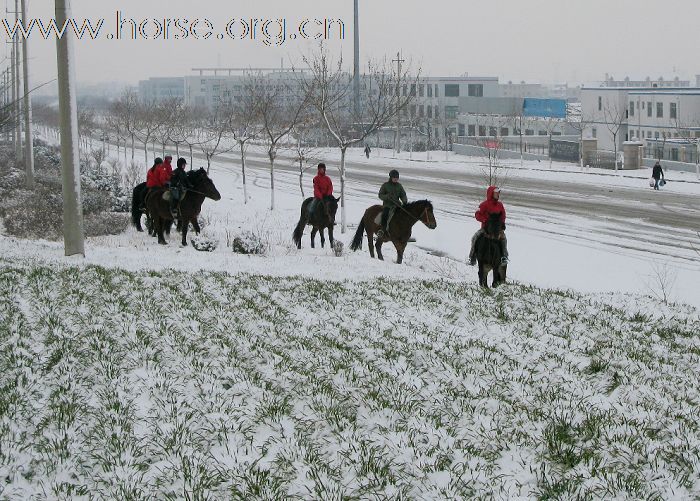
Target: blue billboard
[545,108]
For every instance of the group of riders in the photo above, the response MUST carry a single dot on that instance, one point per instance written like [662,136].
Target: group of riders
[393,196]
[162,175]
[391,193]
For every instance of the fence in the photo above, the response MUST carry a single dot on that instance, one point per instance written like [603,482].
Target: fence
[601,159]
[672,152]
[496,143]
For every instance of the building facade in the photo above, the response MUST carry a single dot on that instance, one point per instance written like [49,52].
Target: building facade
[162,88]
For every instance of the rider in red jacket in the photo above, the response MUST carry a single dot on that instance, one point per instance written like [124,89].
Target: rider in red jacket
[492,205]
[323,187]
[152,176]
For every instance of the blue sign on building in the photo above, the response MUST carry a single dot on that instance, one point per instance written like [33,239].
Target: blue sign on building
[545,108]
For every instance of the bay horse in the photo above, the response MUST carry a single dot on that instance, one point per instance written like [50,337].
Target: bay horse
[399,227]
[488,253]
[189,208]
[322,218]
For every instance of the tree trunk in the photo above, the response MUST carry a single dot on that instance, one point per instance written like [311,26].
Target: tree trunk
[145,152]
[245,186]
[343,218]
[271,156]
[191,157]
[301,177]
[208,162]
[133,149]
[73,235]
[177,150]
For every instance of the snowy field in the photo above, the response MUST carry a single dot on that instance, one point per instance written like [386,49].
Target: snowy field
[147,371]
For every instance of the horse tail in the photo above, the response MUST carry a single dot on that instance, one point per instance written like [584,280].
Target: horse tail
[299,230]
[136,201]
[357,240]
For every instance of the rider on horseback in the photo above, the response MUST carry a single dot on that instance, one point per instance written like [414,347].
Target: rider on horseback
[179,184]
[152,177]
[492,205]
[393,195]
[323,187]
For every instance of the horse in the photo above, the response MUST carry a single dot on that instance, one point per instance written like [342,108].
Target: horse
[138,209]
[488,253]
[323,217]
[189,208]
[399,227]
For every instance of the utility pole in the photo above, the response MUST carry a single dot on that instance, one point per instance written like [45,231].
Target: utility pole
[18,106]
[356,74]
[73,236]
[397,139]
[13,96]
[28,139]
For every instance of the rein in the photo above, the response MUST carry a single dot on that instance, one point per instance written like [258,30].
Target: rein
[419,218]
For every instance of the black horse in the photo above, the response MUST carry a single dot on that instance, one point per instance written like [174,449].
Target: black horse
[189,207]
[323,217]
[138,205]
[489,252]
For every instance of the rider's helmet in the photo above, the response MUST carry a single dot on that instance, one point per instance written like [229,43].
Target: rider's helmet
[393,173]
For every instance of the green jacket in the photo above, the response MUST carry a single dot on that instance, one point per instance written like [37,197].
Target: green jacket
[391,192]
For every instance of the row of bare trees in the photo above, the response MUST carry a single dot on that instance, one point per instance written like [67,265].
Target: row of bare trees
[279,110]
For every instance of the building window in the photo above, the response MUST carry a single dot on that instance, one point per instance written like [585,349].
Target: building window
[437,112]
[594,132]
[475,90]
[504,131]
[656,134]
[461,130]
[631,108]
[451,90]
[421,111]
[529,132]
[471,130]
[674,154]
[430,111]
[673,111]
[482,130]
[413,89]
[413,110]
[542,133]
[430,90]
[436,91]
[649,108]
[600,103]
[451,111]
[492,131]
[659,110]
[421,90]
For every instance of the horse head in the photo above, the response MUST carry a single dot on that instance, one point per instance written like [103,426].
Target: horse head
[493,225]
[202,183]
[425,215]
[330,206]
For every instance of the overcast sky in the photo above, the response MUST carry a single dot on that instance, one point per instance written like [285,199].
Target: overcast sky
[533,40]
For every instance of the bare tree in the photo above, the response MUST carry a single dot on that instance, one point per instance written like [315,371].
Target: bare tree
[615,116]
[145,125]
[304,154]
[125,112]
[688,129]
[277,108]
[244,126]
[579,121]
[330,90]
[210,132]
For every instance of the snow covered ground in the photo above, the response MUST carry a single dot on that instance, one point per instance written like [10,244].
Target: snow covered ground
[160,371]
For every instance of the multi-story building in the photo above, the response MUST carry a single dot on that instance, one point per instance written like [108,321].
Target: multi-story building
[626,113]
[161,88]
[660,82]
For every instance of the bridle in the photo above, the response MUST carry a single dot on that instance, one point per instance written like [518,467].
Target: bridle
[420,218]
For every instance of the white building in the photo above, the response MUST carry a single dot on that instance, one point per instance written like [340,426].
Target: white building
[644,113]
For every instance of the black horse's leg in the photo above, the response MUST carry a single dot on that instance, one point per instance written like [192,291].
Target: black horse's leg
[185,227]
[313,237]
[483,276]
[195,225]
[323,238]
[158,227]
[330,235]
[370,242]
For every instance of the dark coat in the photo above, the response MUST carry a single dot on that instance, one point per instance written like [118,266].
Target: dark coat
[390,193]
[658,172]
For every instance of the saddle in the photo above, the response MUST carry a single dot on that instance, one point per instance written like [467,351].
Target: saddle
[378,219]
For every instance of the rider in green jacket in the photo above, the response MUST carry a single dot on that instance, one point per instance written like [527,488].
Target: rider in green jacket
[392,195]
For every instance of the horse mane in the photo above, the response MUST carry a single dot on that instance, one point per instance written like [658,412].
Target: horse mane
[420,202]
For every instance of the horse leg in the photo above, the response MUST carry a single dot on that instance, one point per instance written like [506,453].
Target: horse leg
[378,247]
[313,237]
[158,229]
[323,238]
[483,276]
[195,225]
[185,227]
[330,235]
[370,242]
[400,247]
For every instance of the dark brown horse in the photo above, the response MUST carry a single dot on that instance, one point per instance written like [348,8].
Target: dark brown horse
[399,227]
[488,252]
[138,209]
[323,217]
[189,208]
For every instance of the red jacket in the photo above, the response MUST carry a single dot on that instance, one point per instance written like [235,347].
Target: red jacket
[163,175]
[152,177]
[488,207]
[323,186]
[168,166]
